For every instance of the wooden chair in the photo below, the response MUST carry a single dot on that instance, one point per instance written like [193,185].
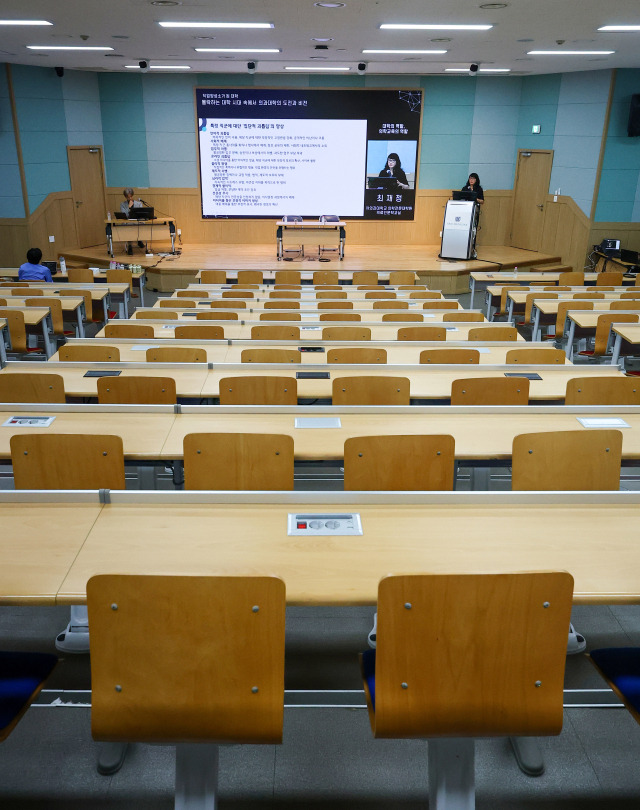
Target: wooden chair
[238,294]
[504,297]
[79,275]
[573,278]
[280,316]
[120,275]
[567,460]
[561,317]
[334,305]
[613,277]
[288,277]
[381,295]
[157,314]
[440,305]
[67,461]
[323,277]
[176,354]
[492,333]
[93,313]
[22,676]
[603,332]
[339,316]
[528,306]
[246,286]
[270,356]
[31,387]
[197,661]
[139,331]
[453,663]
[285,294]
[450,356]
[174,303]
[137,390]
[87,353]
[357,355]
[17,329]
[192,293]
[390,305]
[422,333]
[588,296]
[275,332]
[430,295]
[541,357]
[490,391]
[332,294]
[284,304]
[213,276]
[464,317]
[364,277]
[217,316]
[199,332]
[397,277]
[297,287]
[57,315]
[371,391]
[624,304]
[14,284]
[632,294]
[254,390]
[346,333]
[399,463]
[250,277]
[20,291]
[416,288]
[407,317]
[227,304]
[556,288]
[365,287]
[603,391]
[238,461]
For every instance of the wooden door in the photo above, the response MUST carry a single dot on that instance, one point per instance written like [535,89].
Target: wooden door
[89,195]
[533,173]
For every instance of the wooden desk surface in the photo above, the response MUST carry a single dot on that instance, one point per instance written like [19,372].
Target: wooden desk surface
[550,306]
[311,224]
[599,543]
[628,332]
[69,302]
[520,298]
[98,291]
[344,275]
[33,316]
[588,318]
[308,296]
[522,276]
[311,313]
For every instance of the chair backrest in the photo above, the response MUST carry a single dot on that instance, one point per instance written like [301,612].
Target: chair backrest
[157,314]
[407,317]
[448,356]
[346,333]
[465,316]
[504,292]
[175,303]
[422,333]
[589,296]
[31,387]
[415,288]
[238,294]
[365,287]
[632,294]
[493,333]
[440,305]
[322,277]
[563,308]
[246,287]
[238,461]
[339,316]
[137,390]
[427,295]
[192,293]
[535,296]
[268,332]
[250,277]
[545,357]
[217,316]
[399,462]
[270,356]
[199,332]
[334,295]
[176,354]
[254,390]
[612,277]
[356,355]
[14,284]
[456,645]
[17,328]
[55,307]
[390,305]
[213,276]
[556,288]
[371,391]
[334,305]
[567,459]
[119,275]
[67,461]
[88,353]
[603,328]
[625,304]
[227,304]
[287,286]
[128,330]
[288,277]
[21,291]
[573,278]
[231,691]
[86,296]
[285,294]
[79,275]
[401,277]
[603,391]
[490,391]
[381,295]
[280,316]
[364,277]
[284,304]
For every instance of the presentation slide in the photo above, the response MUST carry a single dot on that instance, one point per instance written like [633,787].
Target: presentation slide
[270,153]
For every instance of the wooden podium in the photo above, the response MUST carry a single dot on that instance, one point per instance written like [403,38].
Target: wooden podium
[140,230]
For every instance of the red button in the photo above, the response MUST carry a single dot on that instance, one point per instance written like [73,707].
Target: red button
[302,525]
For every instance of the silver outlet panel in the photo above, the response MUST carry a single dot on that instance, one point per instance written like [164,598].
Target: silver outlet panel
[319,525]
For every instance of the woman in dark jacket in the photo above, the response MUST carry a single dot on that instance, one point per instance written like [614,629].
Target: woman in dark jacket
[394,169]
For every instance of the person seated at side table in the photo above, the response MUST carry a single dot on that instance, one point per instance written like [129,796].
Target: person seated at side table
[32,270]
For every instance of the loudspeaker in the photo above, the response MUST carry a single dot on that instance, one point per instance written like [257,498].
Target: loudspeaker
[633,127]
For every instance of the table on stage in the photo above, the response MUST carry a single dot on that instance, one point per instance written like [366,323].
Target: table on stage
[321,234]
[141,230]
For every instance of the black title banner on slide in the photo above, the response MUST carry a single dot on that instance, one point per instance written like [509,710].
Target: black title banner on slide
[269,153]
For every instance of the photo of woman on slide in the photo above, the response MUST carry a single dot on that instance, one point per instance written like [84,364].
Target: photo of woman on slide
[394,169]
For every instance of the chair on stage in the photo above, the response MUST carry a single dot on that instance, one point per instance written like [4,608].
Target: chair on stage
[453,663]
[254,390]
[144,632]
[363,390]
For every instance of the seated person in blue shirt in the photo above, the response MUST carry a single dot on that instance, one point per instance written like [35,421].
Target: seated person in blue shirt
[32,270]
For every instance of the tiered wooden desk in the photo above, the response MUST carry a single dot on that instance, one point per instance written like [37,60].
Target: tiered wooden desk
[99,276]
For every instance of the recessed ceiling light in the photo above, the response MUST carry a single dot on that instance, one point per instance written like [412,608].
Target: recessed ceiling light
[620,28]
[160,67]
[402,52]
[324,67]
[441,39]
[321,39]
[214,25]
[112,55]
[237,50]
[569,53]
[318,57]
[25,22]
[480,70]
[439,27]
[165,3]
[69,48]
[119,36]
[330,5]
[493,6]
[524,40]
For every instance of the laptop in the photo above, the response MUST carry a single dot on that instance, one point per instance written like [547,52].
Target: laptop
[53,267]
[120,215]
[143,213]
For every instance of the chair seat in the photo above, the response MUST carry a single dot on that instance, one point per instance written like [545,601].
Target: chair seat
[21,675]
[112,313]
[368,664]
[621,665]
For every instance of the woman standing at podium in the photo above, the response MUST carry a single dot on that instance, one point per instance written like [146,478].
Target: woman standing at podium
[394,169]
[473,184]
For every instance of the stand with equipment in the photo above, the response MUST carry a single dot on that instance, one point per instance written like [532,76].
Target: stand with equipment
[459,228]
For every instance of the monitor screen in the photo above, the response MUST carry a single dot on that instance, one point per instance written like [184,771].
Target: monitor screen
[468,196]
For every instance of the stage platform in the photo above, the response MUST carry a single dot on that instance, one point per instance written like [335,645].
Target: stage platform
[166,273]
